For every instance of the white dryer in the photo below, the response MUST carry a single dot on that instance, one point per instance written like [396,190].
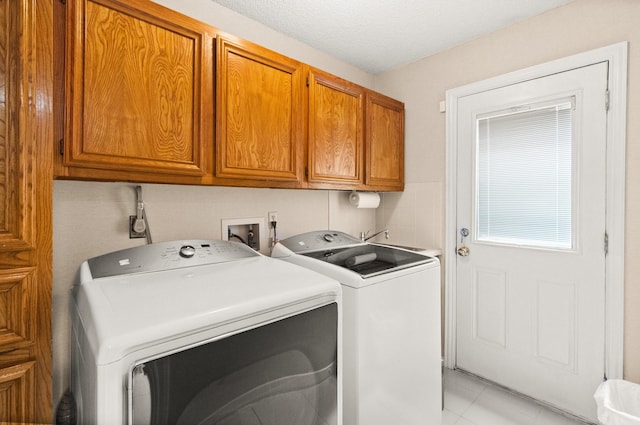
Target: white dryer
[204,332]
[391,325]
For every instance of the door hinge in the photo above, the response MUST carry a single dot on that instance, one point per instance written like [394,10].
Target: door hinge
[606,100]
[307,81]
[606,244]
[306,171]
[61,146]
[63,1]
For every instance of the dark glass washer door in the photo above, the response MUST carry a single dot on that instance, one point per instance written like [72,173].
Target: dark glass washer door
[282,373]
[370,260]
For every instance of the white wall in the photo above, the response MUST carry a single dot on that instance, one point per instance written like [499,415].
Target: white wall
[92,218]
[577,27]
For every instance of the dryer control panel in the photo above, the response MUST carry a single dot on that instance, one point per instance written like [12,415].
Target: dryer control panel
[166,256]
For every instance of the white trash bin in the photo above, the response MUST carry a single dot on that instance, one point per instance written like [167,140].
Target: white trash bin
[618,402]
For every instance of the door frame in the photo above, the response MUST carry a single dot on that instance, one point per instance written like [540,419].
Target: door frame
[616,55]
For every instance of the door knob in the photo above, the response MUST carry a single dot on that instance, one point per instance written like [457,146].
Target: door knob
[463,251]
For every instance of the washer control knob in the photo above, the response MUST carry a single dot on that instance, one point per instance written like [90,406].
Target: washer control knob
[328,237]
[187,251]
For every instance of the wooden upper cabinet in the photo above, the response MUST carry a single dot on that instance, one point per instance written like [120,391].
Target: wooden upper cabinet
[336,127]
[139,90]
[384,135]
[152,95]
[260,116]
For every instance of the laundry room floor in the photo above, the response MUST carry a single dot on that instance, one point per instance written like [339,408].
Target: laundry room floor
[470,401]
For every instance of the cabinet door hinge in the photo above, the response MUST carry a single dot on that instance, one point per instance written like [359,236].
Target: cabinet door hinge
[61,147]
[307,81]
[606,244]
[306,171]
[607,97]
[63,1]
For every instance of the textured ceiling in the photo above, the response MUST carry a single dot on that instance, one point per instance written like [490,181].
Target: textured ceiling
[378,35]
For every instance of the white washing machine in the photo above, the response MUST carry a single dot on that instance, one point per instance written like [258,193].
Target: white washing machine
[204,332]
[391,325]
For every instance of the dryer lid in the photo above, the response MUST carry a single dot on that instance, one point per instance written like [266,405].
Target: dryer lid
[369,260]
[343,250]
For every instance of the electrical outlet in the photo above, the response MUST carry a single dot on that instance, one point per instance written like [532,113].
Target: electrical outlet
[273,216]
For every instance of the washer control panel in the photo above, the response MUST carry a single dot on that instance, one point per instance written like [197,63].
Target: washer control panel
[166,256]
[319,240]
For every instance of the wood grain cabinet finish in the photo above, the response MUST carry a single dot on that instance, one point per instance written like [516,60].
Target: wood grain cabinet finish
[335,135]
[355,136]
[16,383]
[384,141]
[26,160]
[139,91]
[143,83]
[260,116]
[17,307]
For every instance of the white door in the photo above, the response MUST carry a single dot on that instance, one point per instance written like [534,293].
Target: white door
[531,178]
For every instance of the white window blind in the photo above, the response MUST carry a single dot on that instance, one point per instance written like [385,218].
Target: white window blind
[524,176]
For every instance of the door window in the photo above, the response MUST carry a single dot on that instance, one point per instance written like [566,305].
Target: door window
[524,176]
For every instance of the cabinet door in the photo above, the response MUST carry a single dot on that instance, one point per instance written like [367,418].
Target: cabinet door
[139,89]
[335,131]
[260,116]
[384,135]
[26,157]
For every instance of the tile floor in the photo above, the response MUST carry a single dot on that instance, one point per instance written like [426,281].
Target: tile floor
[469,401]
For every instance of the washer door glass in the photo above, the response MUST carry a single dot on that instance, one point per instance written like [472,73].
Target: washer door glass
[281,373]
